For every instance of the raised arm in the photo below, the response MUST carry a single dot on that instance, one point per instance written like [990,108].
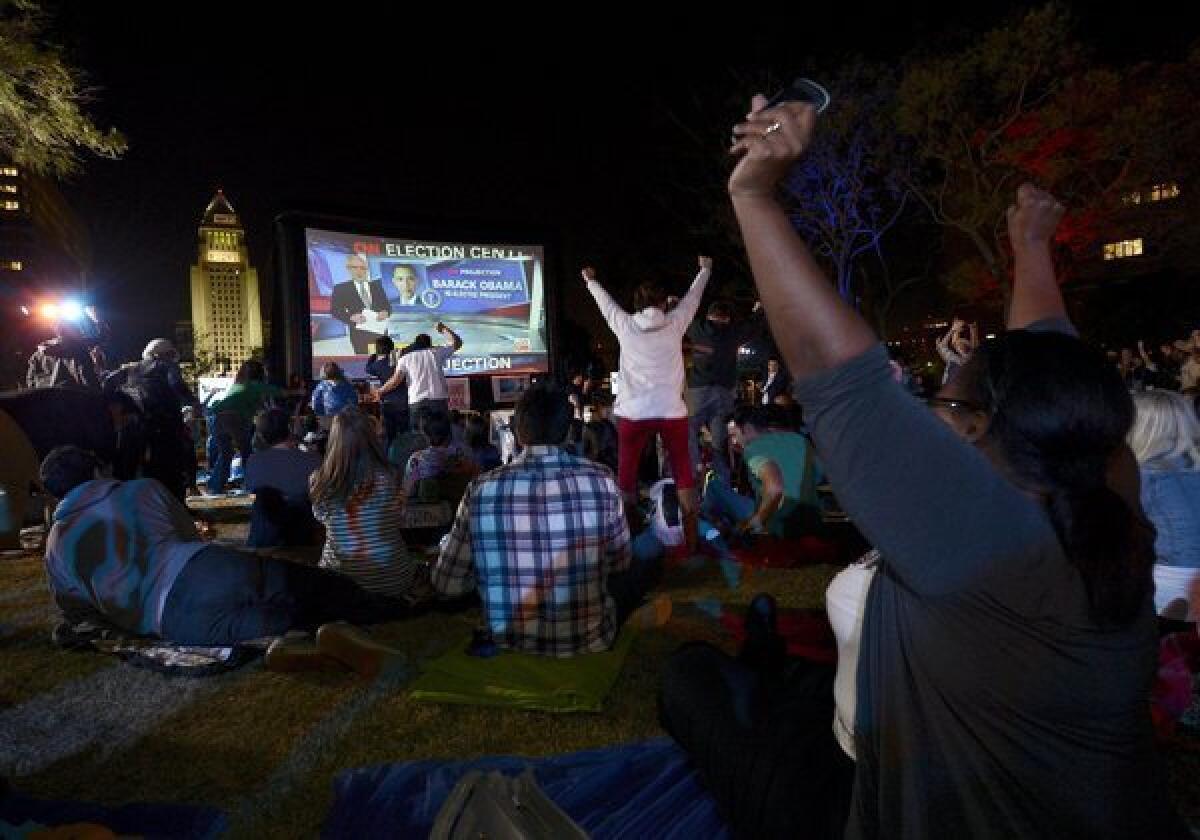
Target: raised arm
[1146,360]
[690,302]
[613,314]
[944,350]
[753,326]
[1031,224]
[455,341]
[815,329]
[899,472]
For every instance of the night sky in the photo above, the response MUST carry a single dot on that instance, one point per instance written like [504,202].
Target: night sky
[558,122]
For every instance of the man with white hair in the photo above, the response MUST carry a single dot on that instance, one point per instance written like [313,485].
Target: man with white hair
[359,300]
[156,385]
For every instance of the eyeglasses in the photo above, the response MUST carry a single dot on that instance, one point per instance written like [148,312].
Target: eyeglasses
[947,402]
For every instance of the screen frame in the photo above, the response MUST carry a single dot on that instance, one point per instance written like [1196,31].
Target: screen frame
[291,348]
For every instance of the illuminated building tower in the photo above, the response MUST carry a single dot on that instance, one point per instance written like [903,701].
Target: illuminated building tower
[44,249]
[227,326]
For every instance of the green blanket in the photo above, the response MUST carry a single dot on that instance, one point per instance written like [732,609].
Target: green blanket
[523,680]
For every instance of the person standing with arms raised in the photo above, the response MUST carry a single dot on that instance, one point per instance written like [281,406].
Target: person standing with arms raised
[651,381]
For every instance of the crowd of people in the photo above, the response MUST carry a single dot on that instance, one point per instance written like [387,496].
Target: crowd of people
[1035,524]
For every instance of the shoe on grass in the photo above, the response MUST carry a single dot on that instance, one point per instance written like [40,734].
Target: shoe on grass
[354,648]
[290,655]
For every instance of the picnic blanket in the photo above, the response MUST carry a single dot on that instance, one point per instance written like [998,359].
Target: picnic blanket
[155,654]
[646,789]
[523,680]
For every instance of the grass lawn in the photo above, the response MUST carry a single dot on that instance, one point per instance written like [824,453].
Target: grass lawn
[264,747]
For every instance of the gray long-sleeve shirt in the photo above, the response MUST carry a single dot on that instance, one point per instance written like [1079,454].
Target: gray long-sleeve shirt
[989,704]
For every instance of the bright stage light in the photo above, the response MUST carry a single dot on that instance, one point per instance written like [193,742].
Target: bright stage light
[71,309]
[49,310]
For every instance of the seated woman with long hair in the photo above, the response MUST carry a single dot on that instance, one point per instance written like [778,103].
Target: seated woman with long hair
[1164,441]
[1008,640]
[356,495]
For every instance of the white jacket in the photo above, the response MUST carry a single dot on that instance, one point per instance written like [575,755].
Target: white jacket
[651,378]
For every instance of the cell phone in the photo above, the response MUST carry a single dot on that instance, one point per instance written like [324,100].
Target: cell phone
[802,90]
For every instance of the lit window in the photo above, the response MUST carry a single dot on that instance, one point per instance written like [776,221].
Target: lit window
[1124,248]
[1131,198]
[8,188]
[1161,192]
[9,171]
[12,205]
[11,265]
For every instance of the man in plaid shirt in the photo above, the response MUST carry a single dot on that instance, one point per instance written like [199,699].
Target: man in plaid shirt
[545,541]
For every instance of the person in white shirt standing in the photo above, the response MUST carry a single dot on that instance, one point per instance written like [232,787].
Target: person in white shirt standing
[421,368]
[651,381]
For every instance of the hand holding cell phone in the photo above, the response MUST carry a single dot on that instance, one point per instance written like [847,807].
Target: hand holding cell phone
[802,90]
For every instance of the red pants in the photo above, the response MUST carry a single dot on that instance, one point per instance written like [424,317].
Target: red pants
[631,440]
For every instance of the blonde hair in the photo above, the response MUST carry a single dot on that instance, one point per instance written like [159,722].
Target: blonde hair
[353,456]
[1165,428]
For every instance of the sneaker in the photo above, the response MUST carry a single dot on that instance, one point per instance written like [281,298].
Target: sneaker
[354,648]
[292,655]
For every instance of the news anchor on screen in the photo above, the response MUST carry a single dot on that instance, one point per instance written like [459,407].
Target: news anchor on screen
[360,301]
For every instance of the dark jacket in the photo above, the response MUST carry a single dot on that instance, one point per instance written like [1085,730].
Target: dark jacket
[345,302]
[715,350]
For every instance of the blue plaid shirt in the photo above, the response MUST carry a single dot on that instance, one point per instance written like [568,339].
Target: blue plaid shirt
[538,538]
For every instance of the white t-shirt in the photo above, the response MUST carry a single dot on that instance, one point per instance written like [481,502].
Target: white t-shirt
[423,373]
[845,603]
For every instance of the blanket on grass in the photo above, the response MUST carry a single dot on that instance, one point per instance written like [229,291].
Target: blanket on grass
[646,789]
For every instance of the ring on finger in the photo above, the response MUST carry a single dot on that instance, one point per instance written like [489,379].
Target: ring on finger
[772,128]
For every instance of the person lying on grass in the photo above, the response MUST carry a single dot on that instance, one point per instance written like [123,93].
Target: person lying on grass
[128,553]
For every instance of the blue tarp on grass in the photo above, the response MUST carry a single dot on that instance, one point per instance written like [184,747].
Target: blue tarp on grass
[21,814]
[630,791]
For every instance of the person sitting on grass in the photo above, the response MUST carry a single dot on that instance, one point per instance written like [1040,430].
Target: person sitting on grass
[332,394]
[440,471]
[127,553]
[485,453]
[782,471]
[278,476]
[545,542]
[357,496]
